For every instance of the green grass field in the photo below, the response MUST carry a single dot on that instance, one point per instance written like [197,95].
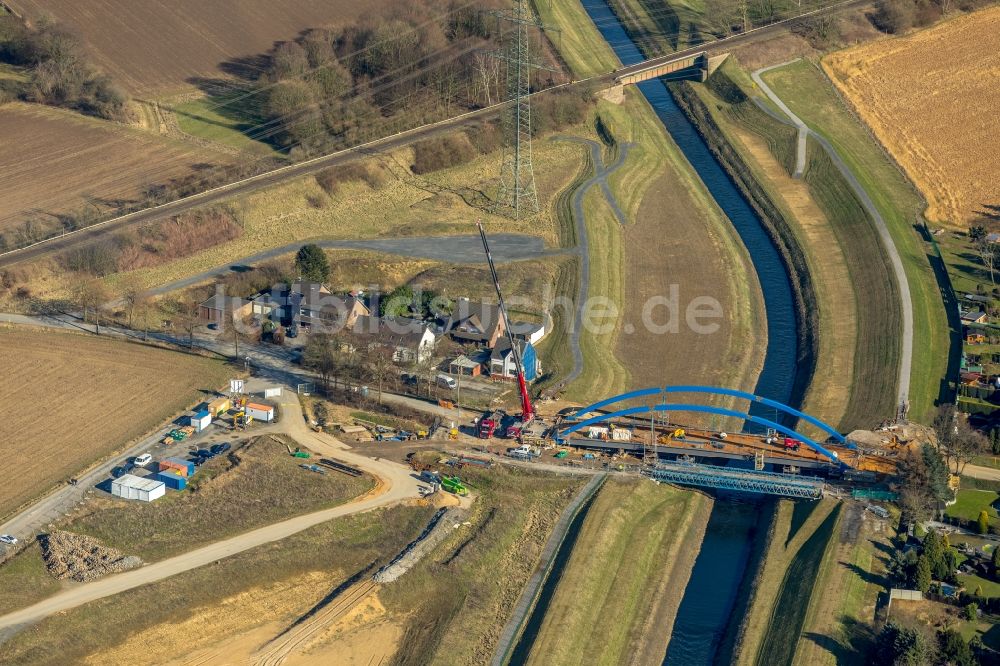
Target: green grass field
[643,529]
[808,93]
[222,119]
[971,502]
[990,588]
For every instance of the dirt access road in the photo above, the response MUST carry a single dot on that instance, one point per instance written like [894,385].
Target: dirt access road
[290,172]
[396,483]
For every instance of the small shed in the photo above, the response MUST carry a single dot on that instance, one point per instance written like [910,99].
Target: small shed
[172,479]
[260,412]
[140,488]
[178,466]
[463,365]
[201,420]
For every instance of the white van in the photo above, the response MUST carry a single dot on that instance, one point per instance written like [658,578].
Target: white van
[445,381]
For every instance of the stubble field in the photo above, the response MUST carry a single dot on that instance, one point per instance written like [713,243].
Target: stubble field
[156,47]
[931,99]
[70,399]
[68,161]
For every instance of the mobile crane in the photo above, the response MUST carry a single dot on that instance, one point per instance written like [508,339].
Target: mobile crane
[527,409]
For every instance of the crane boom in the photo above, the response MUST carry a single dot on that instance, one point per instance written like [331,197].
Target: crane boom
[527,409]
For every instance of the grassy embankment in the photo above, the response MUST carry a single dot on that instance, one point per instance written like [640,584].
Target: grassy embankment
[485,564]
[274,582]
[783,585]
[247,489]
[653,157]
[857,302]
[810,96]
[970,502]
[650,533]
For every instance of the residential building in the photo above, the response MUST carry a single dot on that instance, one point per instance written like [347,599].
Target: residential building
[970,316]
[410,340]
[504,367]
[527,331]
[220,309]
[475,322]
[299,302]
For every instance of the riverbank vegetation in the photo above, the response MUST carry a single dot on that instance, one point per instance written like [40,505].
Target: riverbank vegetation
[651,533]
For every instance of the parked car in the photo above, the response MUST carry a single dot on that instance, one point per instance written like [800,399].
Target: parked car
[143,460]
[409,378]
[219,449]
[205,453]
[118,472]
[8,539]
[292,331]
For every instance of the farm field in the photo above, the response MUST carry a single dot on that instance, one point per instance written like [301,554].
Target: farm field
[911,90]
[158,48]
[82,398]
[266,588]
[651,532]
[809,95]
[69,161]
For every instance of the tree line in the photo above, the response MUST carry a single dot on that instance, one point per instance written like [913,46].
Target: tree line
[59,71]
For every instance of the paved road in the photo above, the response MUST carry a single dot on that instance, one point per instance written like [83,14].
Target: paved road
[396,484]
[465,249]
[800,148]
[600,177]
[977,472]
[394,142]
[906,302]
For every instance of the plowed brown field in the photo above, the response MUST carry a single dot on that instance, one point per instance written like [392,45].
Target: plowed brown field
[63,159]
[153,47]
[932,99]
[69,399]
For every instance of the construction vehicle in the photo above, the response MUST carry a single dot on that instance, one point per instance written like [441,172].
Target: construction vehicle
[676,434]
[489,424]
[454,485]
[792,444]
[527,409]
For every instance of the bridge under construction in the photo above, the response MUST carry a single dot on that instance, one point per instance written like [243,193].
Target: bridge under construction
[777,459]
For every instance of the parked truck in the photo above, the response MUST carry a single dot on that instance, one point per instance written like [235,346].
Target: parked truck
[524,452]
[489,424]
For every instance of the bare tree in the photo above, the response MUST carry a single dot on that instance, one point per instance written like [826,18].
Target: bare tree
[958,442]
[90,296]
[131,292]
[378,366]
[987,251]
[320,355]
[184,316]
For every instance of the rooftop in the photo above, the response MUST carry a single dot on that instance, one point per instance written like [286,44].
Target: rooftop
[138,482]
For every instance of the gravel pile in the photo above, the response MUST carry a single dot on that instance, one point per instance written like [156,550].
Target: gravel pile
[82,558]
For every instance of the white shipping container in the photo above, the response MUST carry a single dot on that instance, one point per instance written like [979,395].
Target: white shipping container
[273,392]
[597,432]
[201,421]
[134,487]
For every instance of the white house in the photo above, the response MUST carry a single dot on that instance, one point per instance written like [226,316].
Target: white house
[409,340]
[527,331]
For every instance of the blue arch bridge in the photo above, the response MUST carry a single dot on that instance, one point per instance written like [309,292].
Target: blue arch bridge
[827,457]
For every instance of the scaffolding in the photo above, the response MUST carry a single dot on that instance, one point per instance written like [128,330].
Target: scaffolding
[768,483]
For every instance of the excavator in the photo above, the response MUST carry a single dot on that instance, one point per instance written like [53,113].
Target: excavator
[527,409]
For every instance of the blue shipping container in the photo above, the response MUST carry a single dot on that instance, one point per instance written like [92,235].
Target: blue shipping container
[172,480]
[187,464]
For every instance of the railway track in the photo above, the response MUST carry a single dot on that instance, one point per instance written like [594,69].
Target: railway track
[276,651]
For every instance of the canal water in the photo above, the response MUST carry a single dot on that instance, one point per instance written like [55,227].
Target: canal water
[777,377]
[705,612]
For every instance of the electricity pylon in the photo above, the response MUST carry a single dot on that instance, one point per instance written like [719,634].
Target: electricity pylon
[517,193]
